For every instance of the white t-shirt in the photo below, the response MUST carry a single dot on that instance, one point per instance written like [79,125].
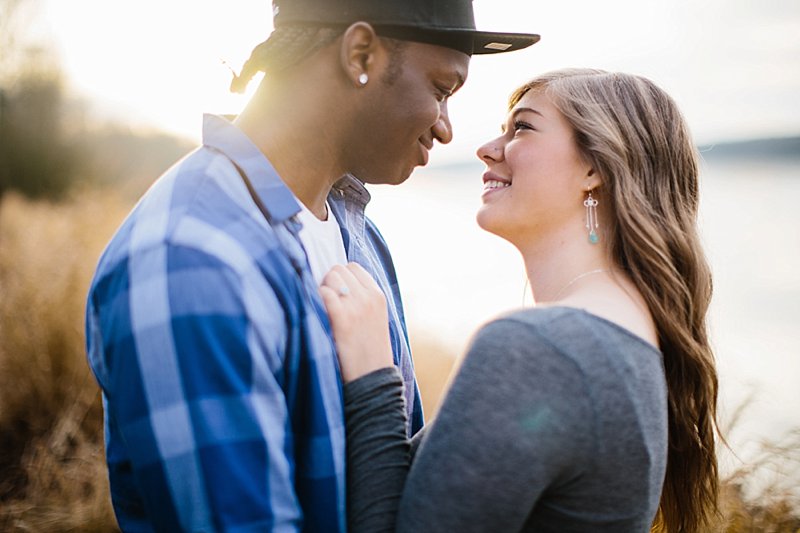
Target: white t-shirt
[322,240]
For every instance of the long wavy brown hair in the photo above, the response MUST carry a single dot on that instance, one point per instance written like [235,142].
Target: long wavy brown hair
[633,134]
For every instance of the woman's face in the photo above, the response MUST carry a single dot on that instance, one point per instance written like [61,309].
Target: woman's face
[536,180]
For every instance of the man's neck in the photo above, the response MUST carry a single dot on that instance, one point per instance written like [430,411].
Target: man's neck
[300,143]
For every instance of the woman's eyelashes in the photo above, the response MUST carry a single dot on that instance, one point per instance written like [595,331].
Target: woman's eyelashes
[522,125]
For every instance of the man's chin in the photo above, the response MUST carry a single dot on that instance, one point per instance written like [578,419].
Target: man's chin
[388,178]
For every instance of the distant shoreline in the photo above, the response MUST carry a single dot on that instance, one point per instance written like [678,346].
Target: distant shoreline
[785,148]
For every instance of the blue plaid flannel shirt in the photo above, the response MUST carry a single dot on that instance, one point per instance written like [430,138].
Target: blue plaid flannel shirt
[205,330]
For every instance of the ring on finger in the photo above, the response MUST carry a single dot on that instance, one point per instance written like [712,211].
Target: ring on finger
[344,290]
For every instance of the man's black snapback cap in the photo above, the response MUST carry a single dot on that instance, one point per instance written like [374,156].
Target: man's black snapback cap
[449,23]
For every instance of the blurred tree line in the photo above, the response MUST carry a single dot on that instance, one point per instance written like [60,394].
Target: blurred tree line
[47,146]
[36,157]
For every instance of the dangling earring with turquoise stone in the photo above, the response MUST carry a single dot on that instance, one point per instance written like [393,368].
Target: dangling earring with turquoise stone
[591,218]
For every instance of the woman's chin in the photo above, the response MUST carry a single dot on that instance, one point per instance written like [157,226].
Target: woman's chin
[488,222]
[483,219]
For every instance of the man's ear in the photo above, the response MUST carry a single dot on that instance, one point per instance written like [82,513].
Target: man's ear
[360,45]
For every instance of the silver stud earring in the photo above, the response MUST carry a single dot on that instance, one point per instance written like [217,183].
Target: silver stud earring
[363,78]
[591,217]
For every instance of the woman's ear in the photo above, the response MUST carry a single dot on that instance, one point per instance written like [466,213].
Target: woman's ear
[359,46]
[592,180]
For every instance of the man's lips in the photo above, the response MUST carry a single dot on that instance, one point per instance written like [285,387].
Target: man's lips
[425,148]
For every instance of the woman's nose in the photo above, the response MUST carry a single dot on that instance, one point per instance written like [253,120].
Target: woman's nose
[490,152]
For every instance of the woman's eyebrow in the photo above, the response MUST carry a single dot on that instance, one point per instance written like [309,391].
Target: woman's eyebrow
[516,112]
[523,110]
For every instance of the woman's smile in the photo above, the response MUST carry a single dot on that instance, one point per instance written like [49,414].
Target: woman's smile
[493,183]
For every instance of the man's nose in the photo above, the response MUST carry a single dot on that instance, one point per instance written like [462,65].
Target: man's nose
[442,129]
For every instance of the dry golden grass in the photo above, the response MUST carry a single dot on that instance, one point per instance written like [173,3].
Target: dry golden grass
[762,495]
[52,471]
[434,365]
[52,476]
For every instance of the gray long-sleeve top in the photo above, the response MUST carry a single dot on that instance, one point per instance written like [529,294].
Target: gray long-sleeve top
[556,421]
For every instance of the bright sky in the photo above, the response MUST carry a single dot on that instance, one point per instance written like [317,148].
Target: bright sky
[733,65]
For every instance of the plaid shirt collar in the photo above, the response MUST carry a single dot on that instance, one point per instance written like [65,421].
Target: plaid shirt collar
[223,136]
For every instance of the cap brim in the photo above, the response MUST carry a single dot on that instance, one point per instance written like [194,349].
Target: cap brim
[484,42]
[464,40]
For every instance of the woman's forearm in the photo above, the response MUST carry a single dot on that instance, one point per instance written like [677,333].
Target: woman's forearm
[378,456]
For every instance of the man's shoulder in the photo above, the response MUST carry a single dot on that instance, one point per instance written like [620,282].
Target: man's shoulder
[198,208]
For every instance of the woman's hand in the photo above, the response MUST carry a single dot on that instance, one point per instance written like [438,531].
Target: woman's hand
[357,310]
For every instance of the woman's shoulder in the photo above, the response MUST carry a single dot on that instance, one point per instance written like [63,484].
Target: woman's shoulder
[567,352]
[564,327]
[566,336]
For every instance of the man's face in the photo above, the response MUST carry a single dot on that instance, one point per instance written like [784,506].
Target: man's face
[404,115]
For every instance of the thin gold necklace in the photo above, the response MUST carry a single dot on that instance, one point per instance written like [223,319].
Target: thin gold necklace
[525,291]
[576,278]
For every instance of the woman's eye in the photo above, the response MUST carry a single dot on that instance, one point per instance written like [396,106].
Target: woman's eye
[520,125]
